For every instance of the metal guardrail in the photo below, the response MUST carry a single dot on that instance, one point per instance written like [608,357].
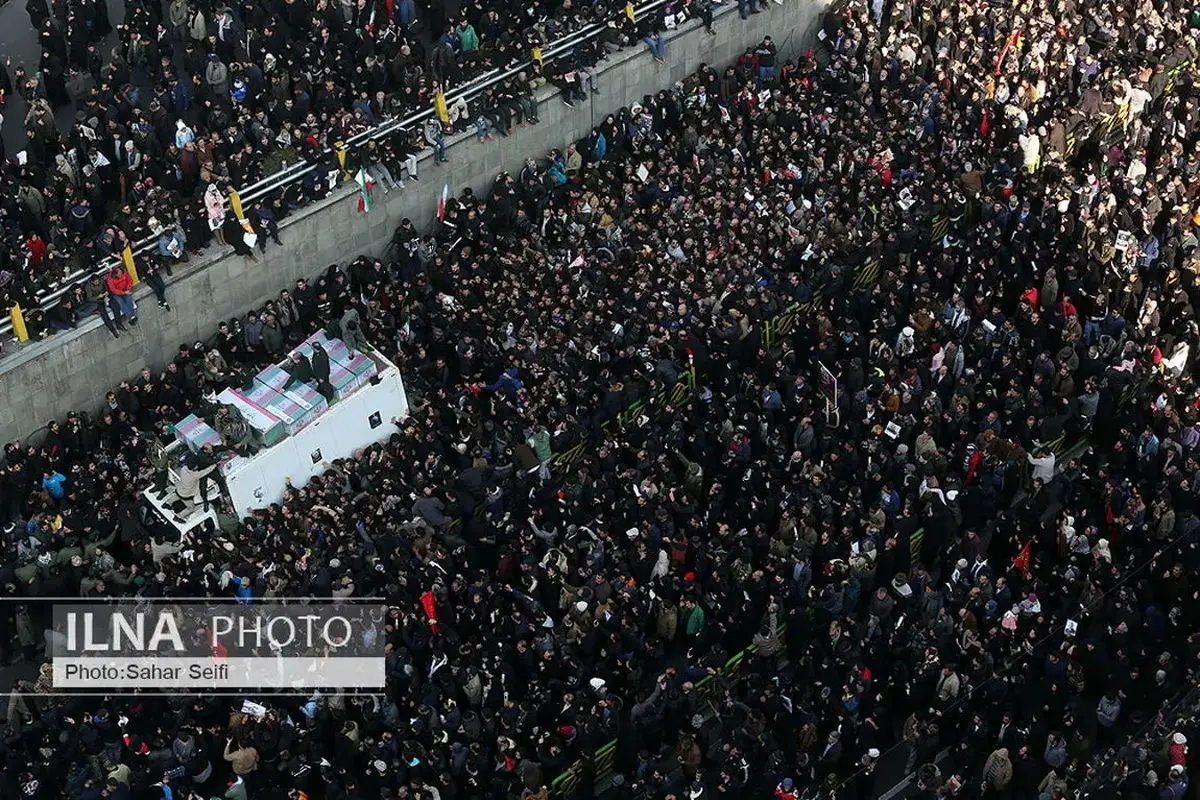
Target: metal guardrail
[602,764]
[294,172]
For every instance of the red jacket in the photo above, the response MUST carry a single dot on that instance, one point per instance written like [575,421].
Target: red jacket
[37,249]
[121,283]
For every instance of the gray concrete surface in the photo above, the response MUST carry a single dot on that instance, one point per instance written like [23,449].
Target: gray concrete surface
[72,370]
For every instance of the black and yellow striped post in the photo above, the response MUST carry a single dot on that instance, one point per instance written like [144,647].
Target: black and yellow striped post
[18,323]
[603,761]
[914,544]
[941,226]
[868,274]
[784,324]
[340,149]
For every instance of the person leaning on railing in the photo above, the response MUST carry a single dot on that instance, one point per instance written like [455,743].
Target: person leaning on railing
[206,113]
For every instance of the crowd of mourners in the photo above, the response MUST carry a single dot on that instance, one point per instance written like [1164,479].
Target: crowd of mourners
[199,98]
[980,219]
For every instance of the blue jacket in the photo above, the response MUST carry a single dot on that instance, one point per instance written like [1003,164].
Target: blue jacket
[509,382]
[54,485]
[600,149]
[245,591]
[406,13]
[181,97]
[165,241]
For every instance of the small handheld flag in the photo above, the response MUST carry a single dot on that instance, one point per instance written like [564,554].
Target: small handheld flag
[441,212]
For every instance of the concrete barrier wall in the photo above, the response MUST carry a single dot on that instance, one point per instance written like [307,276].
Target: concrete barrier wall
[72,370]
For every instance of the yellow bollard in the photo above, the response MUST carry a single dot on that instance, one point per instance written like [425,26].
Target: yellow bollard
[340,149]
[440,108]
[18,323]
[127,257]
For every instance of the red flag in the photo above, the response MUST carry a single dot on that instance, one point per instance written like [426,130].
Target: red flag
[1024,559]
[1011,42]
[427,603]
[441,209]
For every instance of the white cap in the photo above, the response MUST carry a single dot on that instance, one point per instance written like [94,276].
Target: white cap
[581,606]
[873,752]
[1179,738]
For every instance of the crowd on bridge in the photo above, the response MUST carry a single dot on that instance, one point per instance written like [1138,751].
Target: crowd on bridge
[873,364]
[199,99]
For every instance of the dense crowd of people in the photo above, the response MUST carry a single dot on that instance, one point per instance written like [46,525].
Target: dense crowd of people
[979,220]
[200,98]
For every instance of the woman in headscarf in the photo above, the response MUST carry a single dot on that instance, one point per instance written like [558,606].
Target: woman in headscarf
[214,208]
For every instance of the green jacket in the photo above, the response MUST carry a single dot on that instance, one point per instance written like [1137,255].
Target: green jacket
[272,338]
[540,442]
[236,792]
[695,621]
[89,549]
[205,460]
[467,38]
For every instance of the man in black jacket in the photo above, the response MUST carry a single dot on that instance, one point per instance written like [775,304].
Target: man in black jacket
[766,60]
[319,364]
[299,368]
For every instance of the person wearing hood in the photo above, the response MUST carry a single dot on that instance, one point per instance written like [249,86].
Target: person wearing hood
[216,74]
[997,773]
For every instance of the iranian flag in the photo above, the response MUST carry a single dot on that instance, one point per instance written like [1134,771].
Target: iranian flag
[443,200]
[365,185]
[1024,560]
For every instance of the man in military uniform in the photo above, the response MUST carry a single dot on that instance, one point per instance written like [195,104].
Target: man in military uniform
[161,463]
[352,331]
[235,432]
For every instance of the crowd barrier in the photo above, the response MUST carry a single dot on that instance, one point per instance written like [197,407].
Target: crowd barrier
[667,399]
[600,764]
[269,187]
[779,326]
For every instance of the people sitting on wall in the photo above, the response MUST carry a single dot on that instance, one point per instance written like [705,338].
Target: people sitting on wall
[211,98]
